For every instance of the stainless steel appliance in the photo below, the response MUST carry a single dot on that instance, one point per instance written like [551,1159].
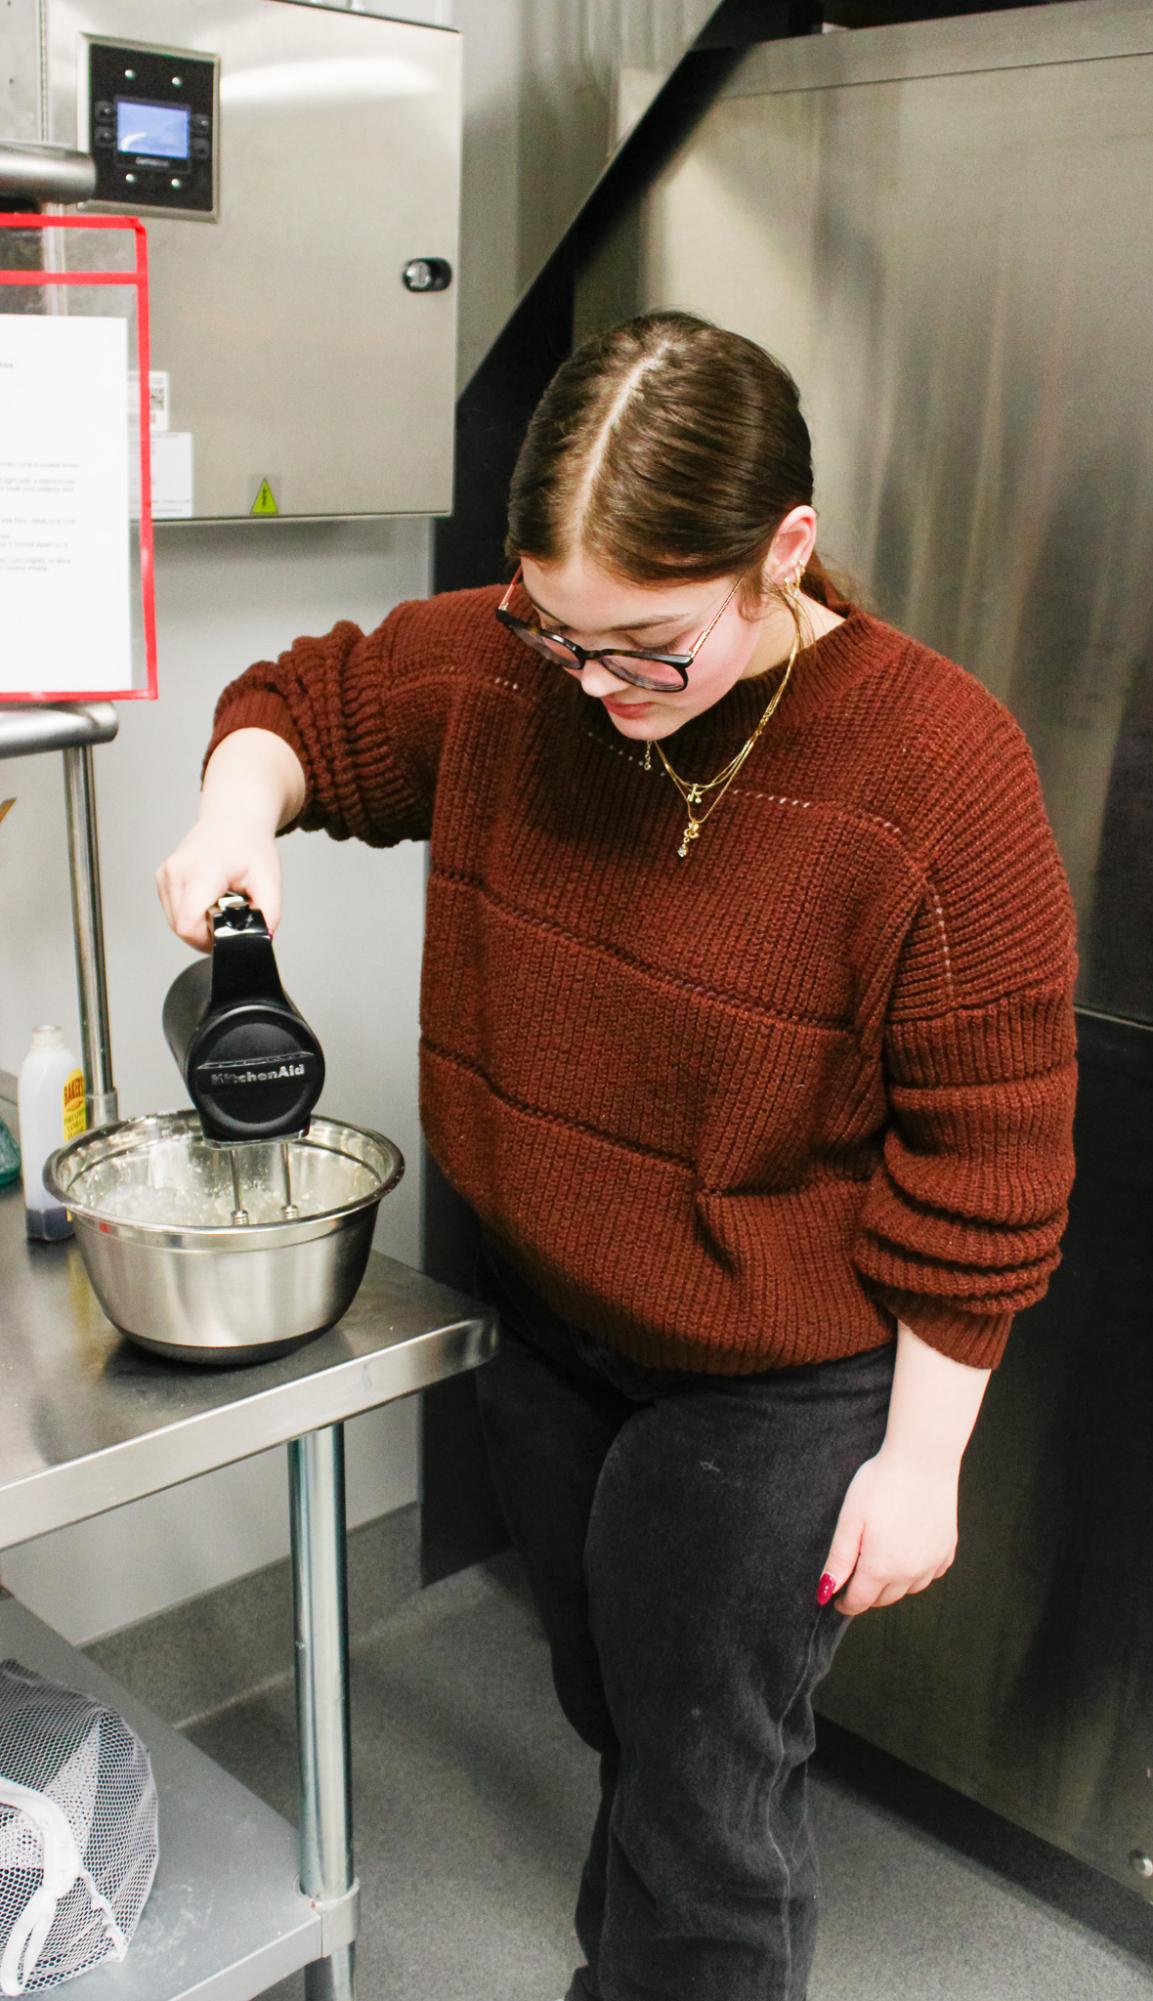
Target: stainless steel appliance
[298,169]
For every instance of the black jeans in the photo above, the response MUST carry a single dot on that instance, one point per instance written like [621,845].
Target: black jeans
[673,1526]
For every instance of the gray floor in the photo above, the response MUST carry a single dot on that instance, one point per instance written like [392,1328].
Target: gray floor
[473,1800]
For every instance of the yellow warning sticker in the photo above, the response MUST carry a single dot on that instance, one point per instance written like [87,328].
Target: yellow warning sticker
[265,502]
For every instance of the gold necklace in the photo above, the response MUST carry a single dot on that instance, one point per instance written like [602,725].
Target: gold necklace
[692,791]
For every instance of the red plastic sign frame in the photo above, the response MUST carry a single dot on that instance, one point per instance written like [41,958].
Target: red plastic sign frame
[138,279]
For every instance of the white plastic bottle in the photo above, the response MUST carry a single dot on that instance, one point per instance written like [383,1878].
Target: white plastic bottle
[51,1101]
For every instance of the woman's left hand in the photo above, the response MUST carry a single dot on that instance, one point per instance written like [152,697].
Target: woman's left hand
[896,1533]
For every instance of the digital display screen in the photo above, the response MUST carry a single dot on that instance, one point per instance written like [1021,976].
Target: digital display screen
[161,129]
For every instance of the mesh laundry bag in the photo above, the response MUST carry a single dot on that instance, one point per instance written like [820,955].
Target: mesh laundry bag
[77,1832]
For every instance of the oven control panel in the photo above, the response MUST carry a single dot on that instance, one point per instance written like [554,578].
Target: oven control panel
[150,123]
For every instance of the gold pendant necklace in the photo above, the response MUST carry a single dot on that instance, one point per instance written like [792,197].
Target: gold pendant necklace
[692,791]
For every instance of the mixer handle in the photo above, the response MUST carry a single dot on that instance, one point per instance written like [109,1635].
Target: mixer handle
[243,964]
[221,911]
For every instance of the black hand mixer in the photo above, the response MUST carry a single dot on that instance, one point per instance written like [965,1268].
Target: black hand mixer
[252,1065]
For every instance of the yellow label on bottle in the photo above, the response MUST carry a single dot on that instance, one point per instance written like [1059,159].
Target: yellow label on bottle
[75,1106]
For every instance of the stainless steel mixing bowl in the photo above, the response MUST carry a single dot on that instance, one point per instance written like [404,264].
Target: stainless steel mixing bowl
[153,1203]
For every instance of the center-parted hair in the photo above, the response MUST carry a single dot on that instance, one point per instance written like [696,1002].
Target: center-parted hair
[664,448]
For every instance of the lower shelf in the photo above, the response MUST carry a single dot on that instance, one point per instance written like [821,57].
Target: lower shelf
[226,1919]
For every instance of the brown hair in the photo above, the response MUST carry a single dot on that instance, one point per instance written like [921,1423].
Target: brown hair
[665,447]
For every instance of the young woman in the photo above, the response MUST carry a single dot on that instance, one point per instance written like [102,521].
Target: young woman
[747,1032]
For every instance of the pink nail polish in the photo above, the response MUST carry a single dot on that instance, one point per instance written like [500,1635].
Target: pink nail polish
[825,1589]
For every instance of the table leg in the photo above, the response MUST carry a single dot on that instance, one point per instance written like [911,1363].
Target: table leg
[320,1596]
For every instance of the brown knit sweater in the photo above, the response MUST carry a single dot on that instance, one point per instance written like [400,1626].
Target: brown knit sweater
[747,1109]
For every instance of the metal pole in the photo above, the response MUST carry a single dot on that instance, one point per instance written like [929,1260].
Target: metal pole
[89,933]
[46,173]
[88,930]
[320,1598]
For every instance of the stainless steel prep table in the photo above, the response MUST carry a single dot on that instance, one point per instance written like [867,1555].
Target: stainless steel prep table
[87,1422]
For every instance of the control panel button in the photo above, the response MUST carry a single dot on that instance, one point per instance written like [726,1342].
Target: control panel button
[105,136]
[202,149]
[105,111]
[201,122]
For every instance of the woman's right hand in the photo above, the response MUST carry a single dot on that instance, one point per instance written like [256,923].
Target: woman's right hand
[222,851]
[253,785]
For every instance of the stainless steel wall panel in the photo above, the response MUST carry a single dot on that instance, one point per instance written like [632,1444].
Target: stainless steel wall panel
[958,269]
[1024,1677]
[293,349]
[20,72]
[552,90]
[1065,31]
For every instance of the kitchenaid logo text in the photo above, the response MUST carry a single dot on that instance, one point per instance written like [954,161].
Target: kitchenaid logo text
[250,1076]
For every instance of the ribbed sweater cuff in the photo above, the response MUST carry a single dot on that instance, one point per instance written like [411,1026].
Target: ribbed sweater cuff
[259,709]
[977,1339]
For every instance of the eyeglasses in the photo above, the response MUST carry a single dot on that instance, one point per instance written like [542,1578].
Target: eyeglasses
[662,672]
